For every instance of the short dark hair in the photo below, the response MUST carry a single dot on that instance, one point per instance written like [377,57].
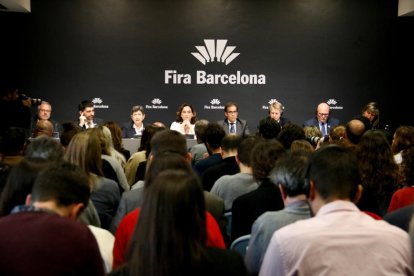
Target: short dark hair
[84,104]
[230,142]
[289,172]
[264,156]
[290,133]
[245,148]
[64,183]
[214,134]
[334,170]
[45,148]
[137,108]
[229,104]
[269,128]
[168,140]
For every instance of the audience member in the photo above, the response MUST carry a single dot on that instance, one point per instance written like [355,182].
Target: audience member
[199,151]
[268,128]
[19,183]
[402,140]
[378,172]
[45,148]
[340,239]
[354,130]
[290,133]
[301,144]
[232,124]
[288,176]
[213,136]
[181,224]
[12,146]
[116,135]
[84,150]
[322,119]
[229,166]
[43,128]
[186,118]
[136,126]
[229,187]
[405,196]
[44,112]
[164,143]
[87,117]
[248,207]
[141,155]
[337,135]
[69,130]
[43,238]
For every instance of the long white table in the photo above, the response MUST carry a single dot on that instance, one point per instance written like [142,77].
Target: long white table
[133,144]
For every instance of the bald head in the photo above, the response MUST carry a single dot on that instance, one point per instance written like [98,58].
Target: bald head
[354,130]
[322,112]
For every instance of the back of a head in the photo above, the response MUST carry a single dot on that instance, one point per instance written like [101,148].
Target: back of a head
[290,133]
[299,145]
[245,148]
[409,166]
[168,140]
[354,130]
[43,128]
[20,183]
[200,129]
[84,150]
[69,130]
[116,134]
[230,142]
[403,138]
[337,135]
[269,128]
[165,161]
[289,172]
[146,137]
[334,170]
[214,134]
[63,183]
[264,156]
[179,224]
[45,148]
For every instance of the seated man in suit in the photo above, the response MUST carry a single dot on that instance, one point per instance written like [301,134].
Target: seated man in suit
[136,126]
[232,124]
[87,115]
[323,120]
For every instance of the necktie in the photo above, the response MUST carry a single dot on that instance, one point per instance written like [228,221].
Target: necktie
[232,128]
[323,129]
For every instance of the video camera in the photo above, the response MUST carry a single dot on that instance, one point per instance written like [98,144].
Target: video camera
[33,101]
[315,139]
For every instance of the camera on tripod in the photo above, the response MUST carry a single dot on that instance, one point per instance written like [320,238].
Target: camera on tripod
[32,100]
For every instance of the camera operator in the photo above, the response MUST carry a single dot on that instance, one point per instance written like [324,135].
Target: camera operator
[14,110]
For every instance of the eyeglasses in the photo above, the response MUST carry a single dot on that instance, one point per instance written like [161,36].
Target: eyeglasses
[232,112]
[45,110]
[323,114]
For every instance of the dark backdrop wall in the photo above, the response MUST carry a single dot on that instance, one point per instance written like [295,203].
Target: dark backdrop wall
[343,52]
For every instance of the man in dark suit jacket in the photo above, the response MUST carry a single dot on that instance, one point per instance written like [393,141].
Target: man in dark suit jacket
[322,119]
[232,124]
[87,117]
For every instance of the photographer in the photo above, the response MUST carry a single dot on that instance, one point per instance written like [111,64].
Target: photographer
[14,110]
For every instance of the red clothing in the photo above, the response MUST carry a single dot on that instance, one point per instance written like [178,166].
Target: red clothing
[401,198]
[127,226]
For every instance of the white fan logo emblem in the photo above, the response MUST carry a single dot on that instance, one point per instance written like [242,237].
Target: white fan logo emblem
[215,50]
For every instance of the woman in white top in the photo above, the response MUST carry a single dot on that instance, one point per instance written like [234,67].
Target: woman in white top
[186,118]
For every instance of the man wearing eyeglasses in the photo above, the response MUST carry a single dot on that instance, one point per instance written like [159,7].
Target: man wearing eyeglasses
[44,112]
[322,119]
[232,124]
